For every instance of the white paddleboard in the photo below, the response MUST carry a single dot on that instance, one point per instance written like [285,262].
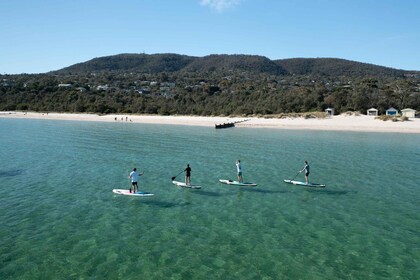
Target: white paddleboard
[236,183]
[182,184]
[304,184]
[127,192]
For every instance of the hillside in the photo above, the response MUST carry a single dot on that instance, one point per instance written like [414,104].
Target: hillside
[221,85]
[226,63]
[154,63]
[336,67]
[157,63]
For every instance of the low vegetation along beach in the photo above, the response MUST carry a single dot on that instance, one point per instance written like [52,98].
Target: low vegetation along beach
[343,122]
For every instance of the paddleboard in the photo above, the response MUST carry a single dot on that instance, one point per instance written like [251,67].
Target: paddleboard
[182,184]
[127,192]
[304,184]
[236,183]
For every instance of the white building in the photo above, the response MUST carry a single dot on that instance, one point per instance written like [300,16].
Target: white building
[372,112]
[330,111]
[102,87]
[64,85]
[409,113]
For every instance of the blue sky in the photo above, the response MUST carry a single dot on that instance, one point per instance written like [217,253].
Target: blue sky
[44,35]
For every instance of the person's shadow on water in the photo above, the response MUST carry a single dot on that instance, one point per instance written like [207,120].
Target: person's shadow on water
[263,191]
[11,173]
[162,204]
[331,192]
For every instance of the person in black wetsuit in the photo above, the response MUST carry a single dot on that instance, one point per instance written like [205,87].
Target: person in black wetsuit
[306,169]
[188,175]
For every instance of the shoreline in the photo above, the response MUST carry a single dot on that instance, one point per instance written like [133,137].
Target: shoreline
[361,123]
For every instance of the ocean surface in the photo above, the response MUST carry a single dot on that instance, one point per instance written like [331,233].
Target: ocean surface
[60,219]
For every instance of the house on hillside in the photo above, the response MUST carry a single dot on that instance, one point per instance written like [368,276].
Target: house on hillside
[391,112]
[372,112]
[409,113]
[65,85]
[102,87]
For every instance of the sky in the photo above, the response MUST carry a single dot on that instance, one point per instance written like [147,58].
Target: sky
[38,36]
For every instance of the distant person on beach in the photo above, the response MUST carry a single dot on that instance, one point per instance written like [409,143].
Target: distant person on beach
[306,169]
[239,170]
[188,175]
[134,176]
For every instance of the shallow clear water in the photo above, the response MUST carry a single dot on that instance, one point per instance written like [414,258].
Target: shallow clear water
[60,219]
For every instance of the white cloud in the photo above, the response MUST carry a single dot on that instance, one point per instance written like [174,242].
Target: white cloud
[220,5]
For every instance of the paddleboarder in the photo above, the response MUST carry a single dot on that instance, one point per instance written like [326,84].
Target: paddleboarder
[188,175]
[306,169]
[134,176]
[239,170]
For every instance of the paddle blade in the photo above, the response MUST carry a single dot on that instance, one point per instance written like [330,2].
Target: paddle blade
[173,178]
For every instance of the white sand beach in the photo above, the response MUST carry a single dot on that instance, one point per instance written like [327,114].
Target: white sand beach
[335,123]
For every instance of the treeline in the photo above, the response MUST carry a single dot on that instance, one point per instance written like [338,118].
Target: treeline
[171,94]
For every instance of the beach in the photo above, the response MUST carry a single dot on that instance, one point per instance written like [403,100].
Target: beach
[334,123]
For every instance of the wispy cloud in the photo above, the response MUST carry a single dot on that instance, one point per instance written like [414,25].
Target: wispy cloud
[220,5]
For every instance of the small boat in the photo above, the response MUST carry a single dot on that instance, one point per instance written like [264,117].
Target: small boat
[224,125]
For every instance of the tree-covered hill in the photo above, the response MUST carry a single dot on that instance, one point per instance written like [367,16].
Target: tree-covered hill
[211,85]
[154,63]
[334,67]
[229,63]
[158,63]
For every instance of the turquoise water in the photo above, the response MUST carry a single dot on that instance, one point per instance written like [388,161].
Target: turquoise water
[60,219]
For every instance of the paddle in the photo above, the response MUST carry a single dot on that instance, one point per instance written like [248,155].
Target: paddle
[129,184]
[173,178]
[295,176]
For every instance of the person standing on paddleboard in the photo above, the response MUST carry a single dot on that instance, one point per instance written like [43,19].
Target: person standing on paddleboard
[134,176]
[239,170]
[306,169]
[188,175]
